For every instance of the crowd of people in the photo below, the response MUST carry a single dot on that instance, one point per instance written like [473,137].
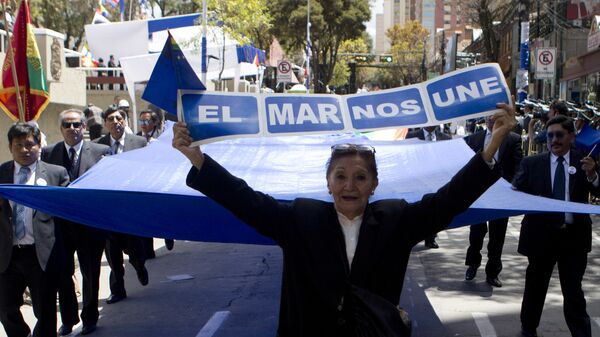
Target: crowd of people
[344,261]
[38,250]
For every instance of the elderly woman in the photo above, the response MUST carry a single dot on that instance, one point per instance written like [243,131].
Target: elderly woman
[331,251]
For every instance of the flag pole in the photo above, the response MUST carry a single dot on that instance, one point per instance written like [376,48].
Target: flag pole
[12,66]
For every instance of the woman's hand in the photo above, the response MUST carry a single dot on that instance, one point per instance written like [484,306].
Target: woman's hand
[182,142]
[504,123]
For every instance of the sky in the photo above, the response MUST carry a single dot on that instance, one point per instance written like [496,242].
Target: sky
[376,7]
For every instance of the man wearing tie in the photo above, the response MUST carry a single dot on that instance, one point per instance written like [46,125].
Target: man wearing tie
[557,238]
[509,157]
[430,134]
[117,243]
[77,156]
[30,245]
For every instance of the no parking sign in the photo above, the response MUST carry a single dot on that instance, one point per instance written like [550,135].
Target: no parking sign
[284,71]
[545,60]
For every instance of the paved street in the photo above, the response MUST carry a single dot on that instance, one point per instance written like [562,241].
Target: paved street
[235,292]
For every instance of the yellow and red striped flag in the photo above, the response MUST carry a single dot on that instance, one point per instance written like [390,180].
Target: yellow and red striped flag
[29,70]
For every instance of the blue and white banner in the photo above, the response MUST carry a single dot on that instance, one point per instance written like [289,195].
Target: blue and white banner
[463,94]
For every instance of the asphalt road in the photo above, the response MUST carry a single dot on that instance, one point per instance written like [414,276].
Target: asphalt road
[233,290]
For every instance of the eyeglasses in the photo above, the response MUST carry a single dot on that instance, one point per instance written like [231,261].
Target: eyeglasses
[114,118]
[68,125]
[556,134]
[144,122]
[352,148]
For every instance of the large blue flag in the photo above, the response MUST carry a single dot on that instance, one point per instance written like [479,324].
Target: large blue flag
[587,139]
[171,72]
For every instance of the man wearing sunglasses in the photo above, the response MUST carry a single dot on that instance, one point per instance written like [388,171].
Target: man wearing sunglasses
[552,238]
[118,243]
[78,156]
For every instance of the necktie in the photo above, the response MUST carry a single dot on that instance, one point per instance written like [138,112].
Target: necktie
[73,159]
[116,149]
[429,137]
[18,209]
[558,190]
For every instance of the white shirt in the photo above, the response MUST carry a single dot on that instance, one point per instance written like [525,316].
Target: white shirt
[121,144]
[553,165]
[28,239]
[488,138]
[77,148]
[351,229]
[425,133]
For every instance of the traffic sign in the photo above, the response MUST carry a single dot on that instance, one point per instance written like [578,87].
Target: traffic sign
[284,71]
[545,63]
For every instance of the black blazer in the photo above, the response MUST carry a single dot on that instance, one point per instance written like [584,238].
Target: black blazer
[308,231]
[132,142]
[44,231]
[510,152]
[540,233]
[439,135]
[91,153]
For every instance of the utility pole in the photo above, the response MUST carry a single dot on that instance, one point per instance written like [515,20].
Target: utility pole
[308,47]
[539,38]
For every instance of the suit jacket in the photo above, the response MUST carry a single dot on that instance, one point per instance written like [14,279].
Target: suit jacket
[132,142]
[44,232]
[540,233]
[90,154]
[510,152]
[316,270]
[439,135]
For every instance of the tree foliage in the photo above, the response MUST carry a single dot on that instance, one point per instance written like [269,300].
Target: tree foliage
[332,22]
[247,21]
[341,71]
[407,49]
[64,16]
[484,13]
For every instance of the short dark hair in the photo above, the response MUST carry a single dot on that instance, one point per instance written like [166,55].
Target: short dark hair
[153,115]
[111,109]
[21,129]
[564,121]
[560,107]
[367,156]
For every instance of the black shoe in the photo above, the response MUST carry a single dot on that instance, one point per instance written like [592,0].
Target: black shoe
[88,329]
[170,243]
[113,298]
[528,332]
[142,276]
[494,281]
[431,244]
[471,272]
[65,330]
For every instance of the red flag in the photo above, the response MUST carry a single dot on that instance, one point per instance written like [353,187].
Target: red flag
[29,70]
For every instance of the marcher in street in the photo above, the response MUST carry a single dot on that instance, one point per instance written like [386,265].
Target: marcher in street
[552,238]
[508,157]
[339,253]
[30,243]
[78,156]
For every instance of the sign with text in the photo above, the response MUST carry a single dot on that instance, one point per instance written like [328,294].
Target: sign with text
[545,63]
[284,71]
[463,94]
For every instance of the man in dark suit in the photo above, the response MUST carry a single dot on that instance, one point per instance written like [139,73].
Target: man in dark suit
[431,134]
[553,238]
[77,156]
[117,243]
[509,157]
[30,247]
[150,125]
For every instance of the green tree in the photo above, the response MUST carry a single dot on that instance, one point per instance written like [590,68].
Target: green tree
[341,71]
[407,43]
[64,16]
[332,21]
[484,13]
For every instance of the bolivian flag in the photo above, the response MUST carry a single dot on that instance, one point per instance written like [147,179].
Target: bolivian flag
[30,74]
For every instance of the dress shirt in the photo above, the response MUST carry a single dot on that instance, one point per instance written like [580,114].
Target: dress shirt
[553,165]
[28,239]
[425,133]
[488,138]
[121,143]
[351,229]
[77,148]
